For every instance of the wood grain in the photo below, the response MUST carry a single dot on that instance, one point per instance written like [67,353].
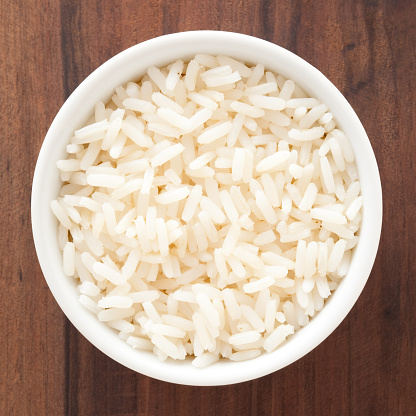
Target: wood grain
[367,49]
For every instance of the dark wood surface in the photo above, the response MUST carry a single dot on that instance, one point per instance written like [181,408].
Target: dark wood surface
[367,49]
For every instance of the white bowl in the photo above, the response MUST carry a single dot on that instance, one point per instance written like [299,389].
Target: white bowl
[131,65]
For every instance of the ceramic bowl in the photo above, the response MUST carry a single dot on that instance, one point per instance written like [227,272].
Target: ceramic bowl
[130,65]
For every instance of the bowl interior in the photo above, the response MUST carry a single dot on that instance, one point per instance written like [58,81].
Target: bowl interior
[131,65]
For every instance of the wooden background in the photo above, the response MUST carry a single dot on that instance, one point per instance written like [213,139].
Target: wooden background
[367,49]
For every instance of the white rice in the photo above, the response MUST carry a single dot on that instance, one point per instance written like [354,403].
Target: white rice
[258,285]
[122,302]
[108,273]
[214,133]
[113,314]
[138,105]
[253,318]
[191,75]
[211,213]
[203,100]
[69,259]
[174,74]
[270,103]
[163,101]
[205,359]
[274,162]
[192,203]
[166,155]
[247,109]
[216,214]
[277,337]
[144,296]
[172,196]
[244,338]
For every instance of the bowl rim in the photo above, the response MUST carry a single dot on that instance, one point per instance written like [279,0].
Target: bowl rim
[294,349]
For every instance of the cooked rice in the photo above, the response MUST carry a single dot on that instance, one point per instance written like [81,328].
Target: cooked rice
[208,210]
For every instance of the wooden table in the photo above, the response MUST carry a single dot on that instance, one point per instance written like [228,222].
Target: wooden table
[367,49]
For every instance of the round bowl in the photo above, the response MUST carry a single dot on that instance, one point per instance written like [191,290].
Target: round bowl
[131,64]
